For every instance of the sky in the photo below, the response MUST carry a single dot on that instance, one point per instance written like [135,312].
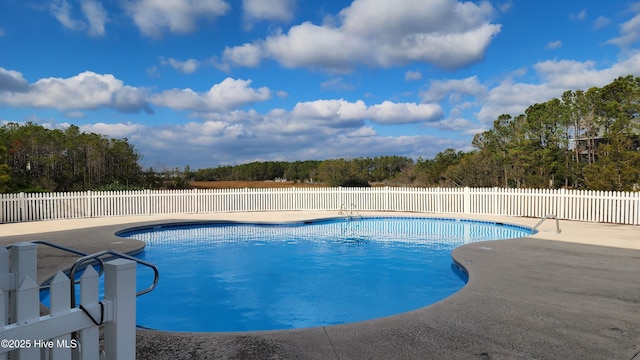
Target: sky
[206,83]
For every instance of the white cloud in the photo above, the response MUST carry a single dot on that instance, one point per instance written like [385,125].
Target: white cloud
[75,114]
[556,76]
[178,16]
[365,131]
[505,7]
[337,83]
[404,113]
[439,89]
[85,91]
[601,22]
[463,125]
[578,16]
[61,10]
[90,91]
[280,10]
[96,16]
[333,113]
[92,10]
[341,113]
[247,55]
[186,67]
[412,75]
[446,33]
[119,130]
[570,74]
[513,98]
[629,33]
[12,81]
[130,100]
[554,44]
[228,94]
[412,17]
[309,45]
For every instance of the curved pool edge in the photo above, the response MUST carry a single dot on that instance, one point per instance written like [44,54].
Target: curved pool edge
[179,223]
[448,267]
[173,223]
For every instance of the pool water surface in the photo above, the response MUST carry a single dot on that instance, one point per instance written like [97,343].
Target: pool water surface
[242,277]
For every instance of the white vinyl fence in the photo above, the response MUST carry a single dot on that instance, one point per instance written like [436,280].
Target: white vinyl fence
[593,206]
[25,334]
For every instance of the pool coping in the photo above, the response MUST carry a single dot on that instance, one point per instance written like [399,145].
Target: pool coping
[570,295]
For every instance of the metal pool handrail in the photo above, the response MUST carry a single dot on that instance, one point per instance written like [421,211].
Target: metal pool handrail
[549,216]
[349,211]
[117,254]
[70,250]
[98,257]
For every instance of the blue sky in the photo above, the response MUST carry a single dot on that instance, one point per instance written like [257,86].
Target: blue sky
[215,82]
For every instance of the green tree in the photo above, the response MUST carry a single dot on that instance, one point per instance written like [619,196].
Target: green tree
[41,159]
[617,168]
[340,172]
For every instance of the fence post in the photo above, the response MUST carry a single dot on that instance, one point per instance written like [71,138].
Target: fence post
[5,286]
[23,264]
[148,200]
[23,206]
[196,200]
[386,198]
[467,201]
[90,205]
[120,289]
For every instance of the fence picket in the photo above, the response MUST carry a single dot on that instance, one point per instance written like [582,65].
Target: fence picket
[60,296]
[89,337]
[28,310]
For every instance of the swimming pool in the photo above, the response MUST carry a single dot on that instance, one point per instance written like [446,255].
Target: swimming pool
[242,277]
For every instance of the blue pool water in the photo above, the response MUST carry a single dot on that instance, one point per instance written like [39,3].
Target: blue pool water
[240,277]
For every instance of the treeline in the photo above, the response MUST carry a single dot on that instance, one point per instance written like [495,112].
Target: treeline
[335,172]
[298,171]
[34,158]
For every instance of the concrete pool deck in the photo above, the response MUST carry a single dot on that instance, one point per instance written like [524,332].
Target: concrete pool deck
[573,295]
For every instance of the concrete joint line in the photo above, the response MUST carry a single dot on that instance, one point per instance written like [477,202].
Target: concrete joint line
[330,343]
